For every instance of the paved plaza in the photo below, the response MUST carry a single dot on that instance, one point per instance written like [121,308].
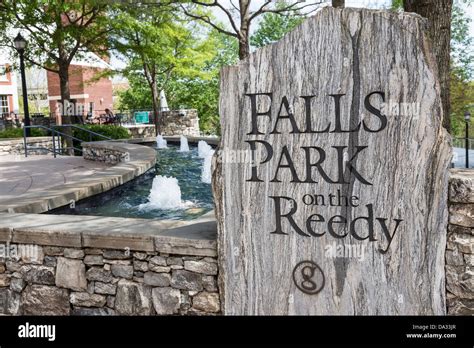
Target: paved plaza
[21,176]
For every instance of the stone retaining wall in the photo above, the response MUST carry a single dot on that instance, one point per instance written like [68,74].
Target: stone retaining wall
[16,146]
[102,152]
[175,122]
[89,266]
[180,122]
[460,243]
[75,281]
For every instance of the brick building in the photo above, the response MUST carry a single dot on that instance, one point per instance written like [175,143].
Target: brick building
[8,87]
[90,95]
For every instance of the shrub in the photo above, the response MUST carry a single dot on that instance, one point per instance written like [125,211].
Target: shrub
[114,132]
[18,133]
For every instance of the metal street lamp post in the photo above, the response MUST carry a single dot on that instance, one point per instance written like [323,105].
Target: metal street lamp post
[20,45]
[467,118]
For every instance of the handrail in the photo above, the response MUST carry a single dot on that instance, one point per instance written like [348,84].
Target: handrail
[84,129]
[56,133]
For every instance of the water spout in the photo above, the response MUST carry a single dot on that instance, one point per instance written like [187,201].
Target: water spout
[165,194]
[206,174]
[161,143]
[203,149]
[184,144]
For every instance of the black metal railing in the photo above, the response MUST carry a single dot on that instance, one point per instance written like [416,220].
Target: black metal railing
[59,137]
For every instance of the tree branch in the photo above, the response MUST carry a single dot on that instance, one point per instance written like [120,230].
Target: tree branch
[207,20]
[216,3]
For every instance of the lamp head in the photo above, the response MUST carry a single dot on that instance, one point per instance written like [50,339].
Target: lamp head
[20,43]
[467,116]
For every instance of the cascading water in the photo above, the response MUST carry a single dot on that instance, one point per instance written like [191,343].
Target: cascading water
[184,144]
[161,143]
[165,194]
[203,149]
[206,174]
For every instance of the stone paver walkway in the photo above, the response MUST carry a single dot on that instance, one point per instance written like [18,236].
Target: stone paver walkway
[20,176]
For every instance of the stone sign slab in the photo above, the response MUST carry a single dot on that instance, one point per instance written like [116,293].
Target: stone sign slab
[334,197]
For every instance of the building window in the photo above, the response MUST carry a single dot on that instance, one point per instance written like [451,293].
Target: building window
[4,109]
[3,73]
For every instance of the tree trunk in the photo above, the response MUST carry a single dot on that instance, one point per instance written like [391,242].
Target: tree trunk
[338,3]
[155,101]
[438,13]
[65,99]
[244,45]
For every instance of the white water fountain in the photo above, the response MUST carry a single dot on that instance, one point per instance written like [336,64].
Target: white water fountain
[165,194]
[203,149]
[184,147]
[206,174]
[161,143]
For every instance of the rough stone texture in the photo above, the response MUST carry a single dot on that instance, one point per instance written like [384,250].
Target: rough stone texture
[84,299]
[50,261]
[336,51]
[53,250]
[4,280]
[201,267]
[157,279]
[76,285]
[116,254]
[106,155]
[133,299]
[186,280]
[209,283]
[140,256]
[99,274]
[461,186]
[9,302]
[460,245]
[122,271]
[74,253]
[44,300]
[207,302]
[92,311]
[16,146]
[91,260]
[166,301]
[105,288]
[40,275]
[141,266]
[71,274]
[175,122]
[17,284]
[158,261]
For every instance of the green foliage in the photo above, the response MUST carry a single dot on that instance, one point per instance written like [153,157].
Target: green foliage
[110,131]
[189,91]
[397,5]
[18,133]
[137,97]
[462,68]
[159,48]
[274,26]
[462,52]
[56,30]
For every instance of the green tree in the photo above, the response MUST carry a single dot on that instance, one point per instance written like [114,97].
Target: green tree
[159,47]
[57,31]
[462,67]
[241,15]
[274,26]
[189,91]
